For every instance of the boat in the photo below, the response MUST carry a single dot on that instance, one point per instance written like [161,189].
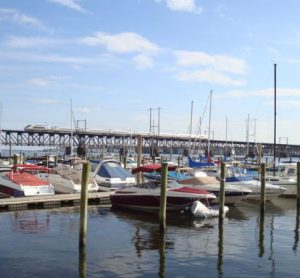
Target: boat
[110,175]
[66,177]
[272,191]
[146,197]
[240,177]
[19,182]
[233,193]
[285,176]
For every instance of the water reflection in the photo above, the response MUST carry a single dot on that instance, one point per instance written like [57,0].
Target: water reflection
[220,249]
[82,262]
[30,222]
[162,258]
[261,247]
[295,246]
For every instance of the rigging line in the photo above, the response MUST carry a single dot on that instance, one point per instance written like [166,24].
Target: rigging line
[200,123]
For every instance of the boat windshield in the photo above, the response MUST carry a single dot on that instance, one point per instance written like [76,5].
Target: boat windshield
[112,169]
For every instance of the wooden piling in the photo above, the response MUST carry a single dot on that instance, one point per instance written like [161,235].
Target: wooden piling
[163,197]
[222,193]
[139,157]
[84,204]
[15,159]
[298,184]
[125,161]
[263,187]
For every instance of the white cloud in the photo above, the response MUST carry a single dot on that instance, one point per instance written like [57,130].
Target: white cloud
[48,58]
[121,43]
[20,18]
[184,6]
[218,62]
[210,76]
[38,82]
[281,92]
[32,42]
[143,61]
[82,110]
[45,101]
[72,4]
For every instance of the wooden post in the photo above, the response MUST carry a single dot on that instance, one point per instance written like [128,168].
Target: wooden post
[139,157]
[47,160]
[55,161]
[84,204]
[125,161]
[163,197]
[222,193]
[15,159]
[263,187]
[178,160]
[298,184]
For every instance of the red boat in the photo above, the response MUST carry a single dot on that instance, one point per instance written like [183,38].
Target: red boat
[19,182]
[146,197]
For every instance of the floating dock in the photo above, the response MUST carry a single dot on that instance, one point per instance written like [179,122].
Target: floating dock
[51,201]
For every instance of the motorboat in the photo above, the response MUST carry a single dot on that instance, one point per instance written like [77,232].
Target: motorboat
[233,193]
[285,176]
[19,182]
[110,175]
[272,191]
[146,197]
[67,177]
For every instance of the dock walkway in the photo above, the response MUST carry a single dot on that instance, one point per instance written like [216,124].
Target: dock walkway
[50,201]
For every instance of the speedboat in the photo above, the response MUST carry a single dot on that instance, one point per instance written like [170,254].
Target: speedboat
[110,175]
[286,176]
[146,197]
[19,182]
[66,177]
[272,191]
[233,193]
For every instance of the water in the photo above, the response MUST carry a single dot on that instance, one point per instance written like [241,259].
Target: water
[44,243]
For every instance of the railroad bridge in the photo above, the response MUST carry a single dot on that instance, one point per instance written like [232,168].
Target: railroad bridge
[127,142]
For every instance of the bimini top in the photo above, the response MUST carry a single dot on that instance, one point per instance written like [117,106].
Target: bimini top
[152,168]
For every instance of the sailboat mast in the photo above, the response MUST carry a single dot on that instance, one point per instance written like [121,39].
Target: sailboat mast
[275,115]
[71,143]
[191,125]
[209,120]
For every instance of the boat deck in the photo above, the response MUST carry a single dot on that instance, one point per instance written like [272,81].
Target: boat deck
[51,201]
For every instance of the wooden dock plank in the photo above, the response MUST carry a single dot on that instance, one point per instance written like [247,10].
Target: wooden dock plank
[56,200]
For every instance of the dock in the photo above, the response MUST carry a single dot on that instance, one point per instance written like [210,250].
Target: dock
[52,201]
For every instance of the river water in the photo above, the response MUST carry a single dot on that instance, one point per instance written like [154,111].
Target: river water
[44,243]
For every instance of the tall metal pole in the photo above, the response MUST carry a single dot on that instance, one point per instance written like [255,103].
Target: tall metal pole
[158,124]
[208,139]
[150,119]
[191,127]
[275,115]
[71,143]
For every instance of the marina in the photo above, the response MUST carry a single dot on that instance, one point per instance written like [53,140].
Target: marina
[149,139]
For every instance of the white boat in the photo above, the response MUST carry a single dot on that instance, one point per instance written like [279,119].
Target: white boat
[285,176]
[110,175]
[272,191]
[67,178]
[233,193]
[19,182]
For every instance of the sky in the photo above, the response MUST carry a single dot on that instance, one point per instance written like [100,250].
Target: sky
[110,61]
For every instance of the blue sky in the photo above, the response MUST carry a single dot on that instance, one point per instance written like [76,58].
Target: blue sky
[117,58]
